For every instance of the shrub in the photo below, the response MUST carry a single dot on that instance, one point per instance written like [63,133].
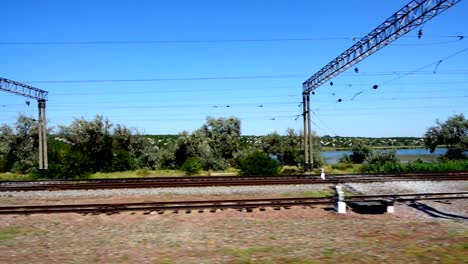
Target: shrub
[342,166]
[359,152]
[123,161]
[345,159]
[382,157]
[191,166]
[258,163]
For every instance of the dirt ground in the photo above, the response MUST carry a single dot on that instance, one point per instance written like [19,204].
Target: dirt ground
[428,232]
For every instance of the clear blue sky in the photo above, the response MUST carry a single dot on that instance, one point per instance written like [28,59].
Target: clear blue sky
[186,60]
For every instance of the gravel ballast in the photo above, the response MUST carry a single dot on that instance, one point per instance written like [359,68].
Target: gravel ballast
[365,188]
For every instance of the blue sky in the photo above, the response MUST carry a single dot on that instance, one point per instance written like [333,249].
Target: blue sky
[164,66]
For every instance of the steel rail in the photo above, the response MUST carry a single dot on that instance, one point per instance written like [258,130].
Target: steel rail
[194,182]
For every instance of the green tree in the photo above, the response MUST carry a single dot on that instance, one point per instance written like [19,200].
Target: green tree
[187,146]
[359,152]
[191,166]
[92,138]
[223,135]
[288,148]
[382,157]
[452,133]
[258,163]
[19,145]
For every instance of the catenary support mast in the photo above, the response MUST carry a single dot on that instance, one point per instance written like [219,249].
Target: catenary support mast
[41,97]
[411,16]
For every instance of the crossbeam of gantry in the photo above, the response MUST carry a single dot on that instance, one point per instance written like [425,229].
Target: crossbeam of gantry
[412,15]
[22,89]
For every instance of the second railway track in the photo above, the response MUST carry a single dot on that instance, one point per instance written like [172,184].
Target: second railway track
[163,182]
[213,205]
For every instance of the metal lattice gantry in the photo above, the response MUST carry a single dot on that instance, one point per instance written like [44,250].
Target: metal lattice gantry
[41,97]
[22,89]
[411,16]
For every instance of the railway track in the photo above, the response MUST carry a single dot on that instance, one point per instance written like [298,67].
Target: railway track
[162,182]
[214,205]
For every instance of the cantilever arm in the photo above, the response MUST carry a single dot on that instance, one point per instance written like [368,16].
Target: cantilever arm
[22,89]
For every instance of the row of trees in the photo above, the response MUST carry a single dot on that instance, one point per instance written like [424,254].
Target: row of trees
[452,134]
[88,146]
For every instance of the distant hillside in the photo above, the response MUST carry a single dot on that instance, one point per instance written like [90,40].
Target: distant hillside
[326,142]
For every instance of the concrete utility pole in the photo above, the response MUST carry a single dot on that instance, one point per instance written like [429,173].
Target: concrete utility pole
[41,97]
[43,161]
[411,16]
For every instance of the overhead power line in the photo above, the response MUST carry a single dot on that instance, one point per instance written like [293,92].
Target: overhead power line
[243,77]
[195,41]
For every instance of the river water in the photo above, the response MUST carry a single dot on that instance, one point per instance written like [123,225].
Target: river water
[405,155]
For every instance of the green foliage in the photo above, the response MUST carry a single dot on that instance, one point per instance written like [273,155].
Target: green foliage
[149,155]
[360,152]
[380,157]
[123,161]
[416,166]
[19,145]
[453,133]
[215,144]
[191,166]
[223,135]
[344,159]
[338,142]
[342,166]
[290,170]
[289,149]
[65,162]
[258,163]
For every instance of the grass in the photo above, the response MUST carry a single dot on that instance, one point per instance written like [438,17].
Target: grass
[311,194]
[141,173]
[452,253]
[249,254]
[8,176]
[12,232]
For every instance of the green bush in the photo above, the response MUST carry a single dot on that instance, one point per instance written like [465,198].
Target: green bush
[123,161]
[342,166]
[382,157]
[258,163]
[346,159]
[191,166]
[360,152]
[416,166]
